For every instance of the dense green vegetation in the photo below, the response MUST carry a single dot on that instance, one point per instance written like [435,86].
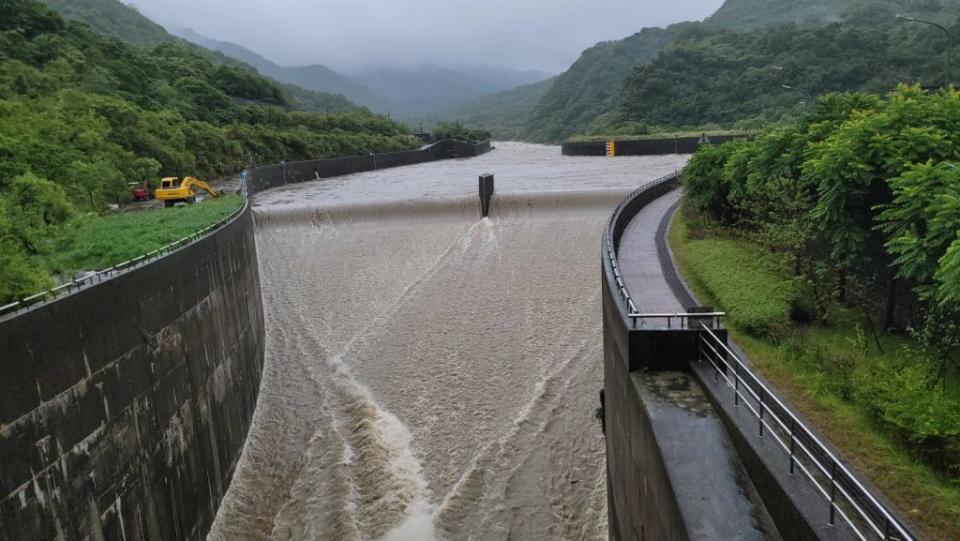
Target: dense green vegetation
[857,387]
[503,114]
[113,19]
[859,200]
[117,20]
[82,115]
[753,79]
[724,73]
[457,132]
[584,92]
[744,14]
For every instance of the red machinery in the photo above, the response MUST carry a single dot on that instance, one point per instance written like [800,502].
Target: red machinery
[141,192]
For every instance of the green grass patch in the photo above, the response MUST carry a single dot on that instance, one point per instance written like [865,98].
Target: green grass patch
[95,242]
[865,391]
[745,282]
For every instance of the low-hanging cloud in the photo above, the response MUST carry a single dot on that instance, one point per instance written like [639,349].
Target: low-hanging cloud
[355,34]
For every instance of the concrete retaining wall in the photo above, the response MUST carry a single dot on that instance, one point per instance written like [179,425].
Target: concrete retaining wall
[272,176]
[124,406]
[641,503]
[665,445]
[644,147]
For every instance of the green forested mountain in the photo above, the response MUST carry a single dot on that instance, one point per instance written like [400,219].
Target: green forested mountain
[739,14]
[764,75]
[83,115]
[584,91]
[504,114]
[628,81]
[112,18]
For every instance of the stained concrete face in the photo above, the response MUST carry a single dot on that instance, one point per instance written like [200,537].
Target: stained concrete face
[125,405]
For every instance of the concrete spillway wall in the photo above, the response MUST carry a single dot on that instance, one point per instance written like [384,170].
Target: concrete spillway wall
[272,176]
[124,406]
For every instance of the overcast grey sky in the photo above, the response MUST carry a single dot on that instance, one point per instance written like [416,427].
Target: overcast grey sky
[529,34]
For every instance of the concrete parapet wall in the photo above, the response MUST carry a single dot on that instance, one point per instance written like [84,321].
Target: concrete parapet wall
[644,147]
[124,407]
[272,176]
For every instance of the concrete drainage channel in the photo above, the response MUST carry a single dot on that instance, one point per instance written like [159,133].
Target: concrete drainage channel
[796,486]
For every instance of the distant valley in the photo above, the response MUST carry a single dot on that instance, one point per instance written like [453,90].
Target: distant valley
[404,93]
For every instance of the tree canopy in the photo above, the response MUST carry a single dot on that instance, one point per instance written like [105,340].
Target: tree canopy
[82,116]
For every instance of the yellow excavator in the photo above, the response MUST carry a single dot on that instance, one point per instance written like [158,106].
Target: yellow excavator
[172,190]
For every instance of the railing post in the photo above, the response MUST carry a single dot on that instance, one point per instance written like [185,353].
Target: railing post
[736,386]
[716,370]
[793,442]
[700,345]
[833,492]
[760,395]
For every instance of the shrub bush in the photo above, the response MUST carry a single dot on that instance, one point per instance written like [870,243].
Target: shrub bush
[745,282]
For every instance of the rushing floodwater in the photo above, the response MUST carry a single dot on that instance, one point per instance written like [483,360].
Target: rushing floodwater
[431,375]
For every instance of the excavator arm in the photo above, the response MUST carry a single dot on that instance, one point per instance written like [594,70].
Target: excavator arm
[191,182]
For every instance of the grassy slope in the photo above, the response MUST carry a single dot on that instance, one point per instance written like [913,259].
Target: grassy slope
[92,242]
[929,501]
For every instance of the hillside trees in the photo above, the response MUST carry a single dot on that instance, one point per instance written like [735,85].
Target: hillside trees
[862,196]
[866,187]
[83,116]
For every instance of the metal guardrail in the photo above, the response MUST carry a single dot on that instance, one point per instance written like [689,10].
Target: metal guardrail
[612,250]
[684,318]
[120,268]
[845,495]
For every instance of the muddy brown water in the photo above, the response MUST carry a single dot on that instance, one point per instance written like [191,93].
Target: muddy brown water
[429,374]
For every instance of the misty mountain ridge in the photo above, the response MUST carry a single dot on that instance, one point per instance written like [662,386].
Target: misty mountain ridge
[504,114]
[126,23]
[316,77]
[403,92]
